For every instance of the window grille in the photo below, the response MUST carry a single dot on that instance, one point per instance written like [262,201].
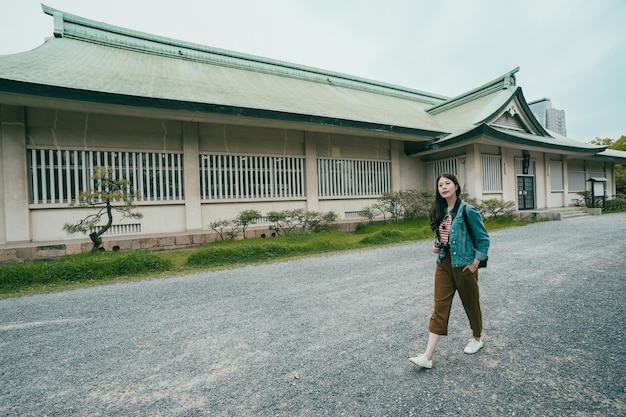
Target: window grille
[238,176]
[492,172]
[59,176]
[261,220]
[450,165]
[345,177]
[352,215]
[120,229]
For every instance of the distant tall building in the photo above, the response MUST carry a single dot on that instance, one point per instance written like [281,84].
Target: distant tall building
[551,119]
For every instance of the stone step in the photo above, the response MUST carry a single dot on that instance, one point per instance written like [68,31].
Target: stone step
[560,213]
[574,214]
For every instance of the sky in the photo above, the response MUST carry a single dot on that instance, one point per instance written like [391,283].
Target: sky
[570,51]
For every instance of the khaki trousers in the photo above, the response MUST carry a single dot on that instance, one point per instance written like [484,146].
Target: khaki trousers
[449,280]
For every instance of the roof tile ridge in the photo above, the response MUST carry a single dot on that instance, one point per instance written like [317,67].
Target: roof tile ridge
[503,82]
[92,31]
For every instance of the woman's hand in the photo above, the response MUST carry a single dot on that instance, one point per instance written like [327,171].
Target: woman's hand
[435,249]
[473,267]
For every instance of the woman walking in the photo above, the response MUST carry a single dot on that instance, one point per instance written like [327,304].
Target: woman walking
[457,265]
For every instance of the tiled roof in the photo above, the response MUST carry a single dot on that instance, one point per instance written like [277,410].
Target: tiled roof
[93,61]
[91,56]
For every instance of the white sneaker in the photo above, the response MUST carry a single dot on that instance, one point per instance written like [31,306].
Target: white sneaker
[473,346]
[422,360]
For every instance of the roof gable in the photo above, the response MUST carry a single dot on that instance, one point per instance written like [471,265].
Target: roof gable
[499,104]
[507,118]
[510,120]
[516,115]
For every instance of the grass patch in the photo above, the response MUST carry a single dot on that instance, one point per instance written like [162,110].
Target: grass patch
[261,250]
[383,237]
[77,268]
[218,256]
[75,271]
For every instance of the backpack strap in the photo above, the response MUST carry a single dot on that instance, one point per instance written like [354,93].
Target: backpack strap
[483,263]
[469,228]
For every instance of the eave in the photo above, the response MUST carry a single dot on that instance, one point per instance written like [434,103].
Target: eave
[176,109]
[611,155]
[482,131]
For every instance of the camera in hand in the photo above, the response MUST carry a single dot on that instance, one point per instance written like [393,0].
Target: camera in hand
[443,249]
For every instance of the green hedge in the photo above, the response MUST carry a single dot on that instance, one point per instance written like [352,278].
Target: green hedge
[84,267]
[616,204]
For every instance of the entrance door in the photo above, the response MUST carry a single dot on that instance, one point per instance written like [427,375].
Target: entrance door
[525,193]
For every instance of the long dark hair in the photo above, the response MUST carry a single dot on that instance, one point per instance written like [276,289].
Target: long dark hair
[440,205]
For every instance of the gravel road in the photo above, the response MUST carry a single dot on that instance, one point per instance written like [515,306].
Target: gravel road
[331,335]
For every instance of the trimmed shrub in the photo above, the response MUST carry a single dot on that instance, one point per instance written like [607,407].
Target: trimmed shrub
[416,203]
[494,208]
[289,221]
[616,204]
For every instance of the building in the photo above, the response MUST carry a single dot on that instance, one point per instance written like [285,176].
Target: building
[550,118]
[204,133]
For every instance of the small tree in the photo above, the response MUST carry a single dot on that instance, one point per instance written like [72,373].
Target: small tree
[382,209]
[391,204]
[368,212]
[315,222]
[586,196]
[107,195]
[286,221]
[328,222]
[245,218]
[225,229]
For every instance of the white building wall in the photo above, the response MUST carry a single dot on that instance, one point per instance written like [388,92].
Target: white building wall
[14,225]
[411,171]
[54,130]
[193,212]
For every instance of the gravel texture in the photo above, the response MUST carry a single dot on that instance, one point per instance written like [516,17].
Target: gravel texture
[331,335]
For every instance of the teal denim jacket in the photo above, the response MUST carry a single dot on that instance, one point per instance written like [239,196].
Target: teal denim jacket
[461,246]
